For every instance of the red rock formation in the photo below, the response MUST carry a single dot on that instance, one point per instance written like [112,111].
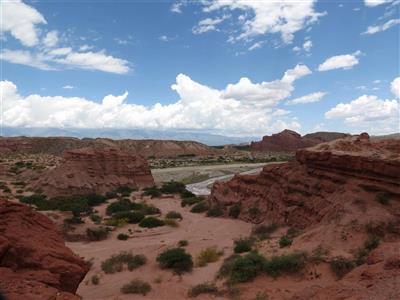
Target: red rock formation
[95,171]
[34,262]
[289,141]
[312,188]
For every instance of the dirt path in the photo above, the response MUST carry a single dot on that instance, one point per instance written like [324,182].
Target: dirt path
[199,230]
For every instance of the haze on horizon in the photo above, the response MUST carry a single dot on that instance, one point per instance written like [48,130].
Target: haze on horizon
[234,67]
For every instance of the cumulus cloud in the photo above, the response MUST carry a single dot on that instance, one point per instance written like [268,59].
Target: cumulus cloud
[310,98]
[51,39]
[239,109]
[265,17]
[20,21]
[255,46]
[307,45]
[395,87]
[56,58]
[370,113]
[208,24]
[346,61]
[68,87]
[373,3]
[382,27]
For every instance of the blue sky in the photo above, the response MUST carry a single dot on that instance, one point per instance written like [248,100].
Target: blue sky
[214,66]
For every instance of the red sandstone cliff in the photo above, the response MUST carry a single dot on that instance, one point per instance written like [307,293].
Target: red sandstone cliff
[289,141]
[34,262]
[90,170]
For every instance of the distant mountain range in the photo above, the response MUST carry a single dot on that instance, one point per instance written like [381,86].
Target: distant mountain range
[140,134]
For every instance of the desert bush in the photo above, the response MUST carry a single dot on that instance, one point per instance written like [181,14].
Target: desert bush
[261,296]
[94,199]
[173,215]
[254,212]
[171,222]
[319,254]
[264,231]
[111,195]
[149,209]
[183,243]
[243,245]
[95,218]
[186,194]
[97,234]
[341,266]
[153,192]
[203,288]
[287,263]
[151,222]
[74,220]
[285,241]
[95,279]
[190,201]
[116,262]
[215,211]
[199,207]
[119,206]
[247,267]
[370,244]
[172,187]
[226,266]
[234,210]
[116,222]
[125,190]
[208,255]
[132,217]
[176,259]
[122,237]
[292,232]
[136,286]
[383,198]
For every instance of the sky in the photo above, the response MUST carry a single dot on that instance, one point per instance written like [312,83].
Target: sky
[230,67]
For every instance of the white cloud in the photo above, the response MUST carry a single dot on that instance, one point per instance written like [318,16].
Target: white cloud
[165,38]
[227,111]
[20,20]
[208,24]
[346,61]
[310,98]
[382,27]
[368,113]
[121,41]
[296,49]
[66,57]
[177,7]
[373,3]
[376,81]
[265,17]
[255,46]
[68,87]
[307,45]
[51,39]
[395,87]
[85,47]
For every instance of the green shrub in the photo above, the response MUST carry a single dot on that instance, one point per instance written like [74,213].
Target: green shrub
[199,207]
[287,263]
[215,211]
[171,222]
[183,243]
[172,187]
[136,286]
[383,198]
[95,218]
[234,210]
[151,222]
[116,262]
[187,194]
[226,266]
[125,190]
[119,206]
[111,195]
[190,201]
[243,245]
[254,212]
[95,279]
[176,259]
[341,266]
[97,234]
[203,288]
[370,244]
[132,217]
[285,241]
[247,267]
[292,232]
[261,296]
[150,209]
[173,215]
[154,192]
[208,255]
[122,237]
[264,231]
[94,199]
[74,220]
[116,222]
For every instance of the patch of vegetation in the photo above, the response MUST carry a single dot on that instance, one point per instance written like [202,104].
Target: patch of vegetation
[254,212]
[149,209]
[95,218]
[183,243]
[125,190]
[234,210]
[74,220]
[243,245]
[173,215]
[245,268]
[383,198]
[215,211]
[199,207]
[122,237]
[261,296]
[287,263]
[120,206]
[111,195]
[264,231]
[153,192]
[136,286]
[172,187]
[97,234]
[116,222]
[186,194]
[370,244]
[151,222]
[203,288]
[171,222]
[116,263]
[208,255]
[132,217]
[176,259]
[319,254]
[341,266]
[95,279]
[190,201]
[285,241]
[292,232]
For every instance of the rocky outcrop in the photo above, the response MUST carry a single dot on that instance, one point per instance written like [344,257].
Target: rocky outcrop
[289,141]
[314,187]
[89,170]
[34,262]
